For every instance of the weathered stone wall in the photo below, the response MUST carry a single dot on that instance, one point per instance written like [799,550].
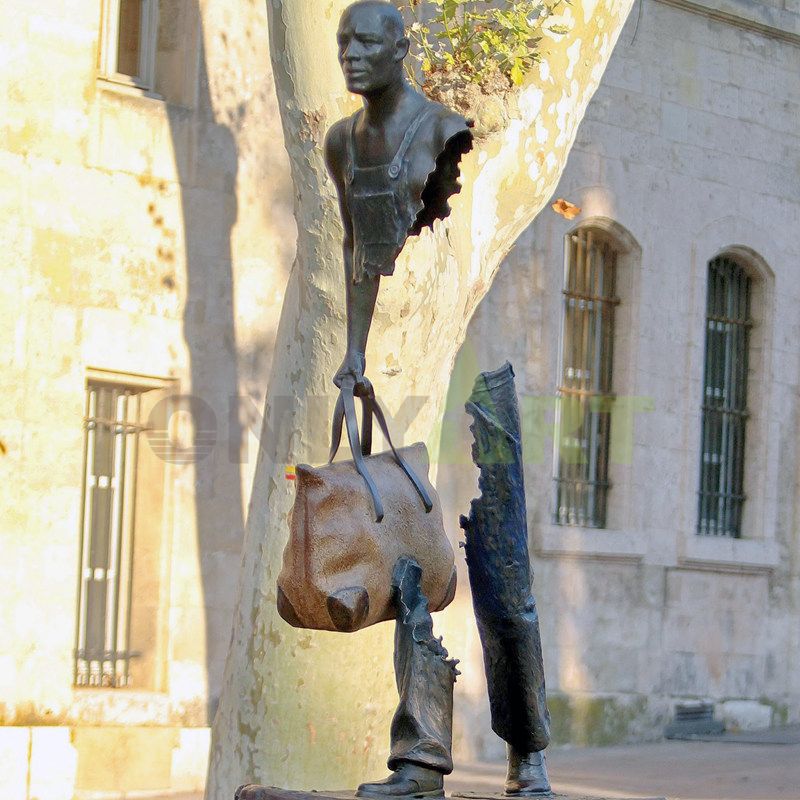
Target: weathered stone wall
[137,237]
[690,145]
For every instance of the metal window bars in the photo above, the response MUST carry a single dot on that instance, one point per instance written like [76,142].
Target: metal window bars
[583,418]
[112,427]
[724,407]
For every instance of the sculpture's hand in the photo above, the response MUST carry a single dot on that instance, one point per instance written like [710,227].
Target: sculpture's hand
[352,369]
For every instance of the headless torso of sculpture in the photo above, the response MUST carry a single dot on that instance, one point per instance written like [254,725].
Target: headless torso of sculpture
[383,202]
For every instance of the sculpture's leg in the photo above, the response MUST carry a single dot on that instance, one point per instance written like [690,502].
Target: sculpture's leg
[500,577]
[422,727]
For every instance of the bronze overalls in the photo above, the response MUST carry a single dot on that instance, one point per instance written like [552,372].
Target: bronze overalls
[382,207]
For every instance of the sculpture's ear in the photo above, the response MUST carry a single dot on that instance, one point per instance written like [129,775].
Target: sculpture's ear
[401,48]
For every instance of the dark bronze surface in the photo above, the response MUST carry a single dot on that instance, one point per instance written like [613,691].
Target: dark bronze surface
[394,163]
[500,577]
[421,731]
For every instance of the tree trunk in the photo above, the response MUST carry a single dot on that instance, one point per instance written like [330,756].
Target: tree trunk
[301,709]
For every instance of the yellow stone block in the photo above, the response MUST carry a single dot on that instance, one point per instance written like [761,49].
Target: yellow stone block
[14,746]
[124,759]
[52,765]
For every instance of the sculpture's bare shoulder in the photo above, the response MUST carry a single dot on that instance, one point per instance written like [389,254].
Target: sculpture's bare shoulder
[336,148]
[449,124]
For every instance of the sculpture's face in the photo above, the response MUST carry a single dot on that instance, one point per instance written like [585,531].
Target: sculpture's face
[370,51]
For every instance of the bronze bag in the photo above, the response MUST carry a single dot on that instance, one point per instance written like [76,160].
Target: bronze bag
[350,523]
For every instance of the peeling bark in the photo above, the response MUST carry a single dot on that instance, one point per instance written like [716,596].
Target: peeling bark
[310,710]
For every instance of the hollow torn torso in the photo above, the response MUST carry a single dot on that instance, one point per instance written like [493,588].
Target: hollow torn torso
[389,202]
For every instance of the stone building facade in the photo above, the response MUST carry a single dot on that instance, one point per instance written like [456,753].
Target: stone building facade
[143,273]
[689,152]
[148,232]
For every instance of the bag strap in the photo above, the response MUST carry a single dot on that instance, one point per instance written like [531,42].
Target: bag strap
[345,412]
[421,491]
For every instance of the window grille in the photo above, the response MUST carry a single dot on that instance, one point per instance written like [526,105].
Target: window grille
[583,413]
[724,409]
[112,427]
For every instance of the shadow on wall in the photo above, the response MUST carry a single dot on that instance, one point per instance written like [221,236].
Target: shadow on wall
[227,128]
[208,178]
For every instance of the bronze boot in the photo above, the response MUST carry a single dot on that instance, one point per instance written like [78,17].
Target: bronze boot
[422,727]
[527,774]
[408,780]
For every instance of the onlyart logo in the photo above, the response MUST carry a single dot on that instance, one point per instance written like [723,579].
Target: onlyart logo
[186,429]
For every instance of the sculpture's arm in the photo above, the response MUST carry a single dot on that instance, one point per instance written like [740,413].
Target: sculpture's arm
[361,296]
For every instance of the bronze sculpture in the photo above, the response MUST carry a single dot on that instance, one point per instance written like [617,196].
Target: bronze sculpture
[500,578]
[395,164]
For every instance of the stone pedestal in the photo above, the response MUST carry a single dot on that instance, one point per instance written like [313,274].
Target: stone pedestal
[554,796]
[251,792]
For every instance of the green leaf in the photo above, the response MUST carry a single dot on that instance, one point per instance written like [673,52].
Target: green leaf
[474,40]
[449,7]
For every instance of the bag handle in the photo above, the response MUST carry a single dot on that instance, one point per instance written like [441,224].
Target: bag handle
[345,412]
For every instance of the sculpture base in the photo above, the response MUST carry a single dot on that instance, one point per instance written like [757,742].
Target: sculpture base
[271,793]
[554,795]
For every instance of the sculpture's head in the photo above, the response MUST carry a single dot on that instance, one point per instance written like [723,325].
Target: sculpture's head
[372,46]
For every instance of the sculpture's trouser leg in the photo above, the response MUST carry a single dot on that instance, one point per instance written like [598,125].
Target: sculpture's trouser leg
[512,656]
[422,727]
[499,568]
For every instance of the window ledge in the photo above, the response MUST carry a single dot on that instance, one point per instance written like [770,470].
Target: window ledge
[734,555]
[120,706]
[588,543]
[127,88]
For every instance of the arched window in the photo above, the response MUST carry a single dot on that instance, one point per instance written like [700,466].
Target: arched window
[724,404]
[583,420]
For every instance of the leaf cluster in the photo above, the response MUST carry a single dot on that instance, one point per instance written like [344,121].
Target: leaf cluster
[479,40]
